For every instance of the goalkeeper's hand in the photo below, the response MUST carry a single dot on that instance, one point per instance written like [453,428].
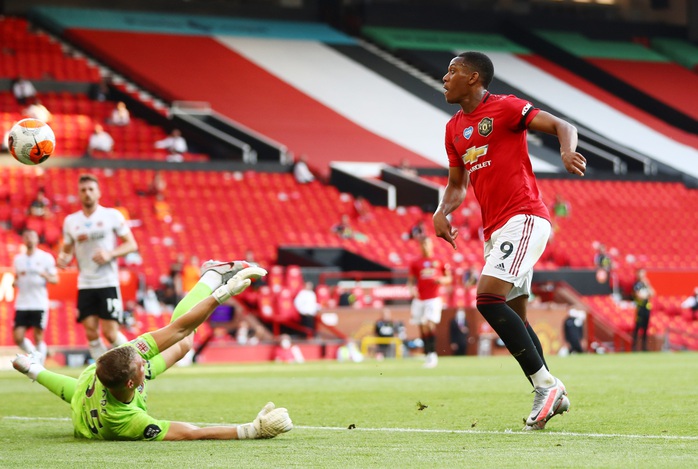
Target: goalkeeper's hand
[272,421]
[269,423]
[238,283]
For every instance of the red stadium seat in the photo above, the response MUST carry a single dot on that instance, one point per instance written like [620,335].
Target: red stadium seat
[294,278]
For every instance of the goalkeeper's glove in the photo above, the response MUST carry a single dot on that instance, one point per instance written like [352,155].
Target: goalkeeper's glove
[238,283]
[269,423]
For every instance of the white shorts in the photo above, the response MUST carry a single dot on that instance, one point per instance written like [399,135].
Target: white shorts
[514,249]
[424,311]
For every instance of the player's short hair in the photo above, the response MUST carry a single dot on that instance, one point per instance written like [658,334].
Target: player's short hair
[480,63]
[88,178]
[116,366]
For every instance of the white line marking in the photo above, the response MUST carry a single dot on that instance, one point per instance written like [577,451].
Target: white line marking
[507,432]
[433,430]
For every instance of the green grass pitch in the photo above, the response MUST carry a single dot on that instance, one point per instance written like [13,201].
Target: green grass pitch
[628,410]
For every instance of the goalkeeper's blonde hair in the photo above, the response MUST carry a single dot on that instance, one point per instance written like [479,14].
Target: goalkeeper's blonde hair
[116,366]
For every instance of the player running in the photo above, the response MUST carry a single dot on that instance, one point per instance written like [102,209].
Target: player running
[486,146]
[426,276]
[90,234]
[34,269]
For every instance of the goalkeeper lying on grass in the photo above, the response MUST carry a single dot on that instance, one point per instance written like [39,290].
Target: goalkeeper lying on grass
[108,399]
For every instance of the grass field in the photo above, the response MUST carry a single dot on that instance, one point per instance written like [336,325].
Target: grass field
[629,410]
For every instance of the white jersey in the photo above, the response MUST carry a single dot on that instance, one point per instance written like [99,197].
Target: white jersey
[33,294]
[89,234]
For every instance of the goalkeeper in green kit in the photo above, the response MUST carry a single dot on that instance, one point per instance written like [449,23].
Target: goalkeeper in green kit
[108,399]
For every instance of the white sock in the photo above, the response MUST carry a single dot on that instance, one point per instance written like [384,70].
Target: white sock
[27,345]
[211,279]
[542,378]
[43,350]
[120,339]
[34,370]
[97,348]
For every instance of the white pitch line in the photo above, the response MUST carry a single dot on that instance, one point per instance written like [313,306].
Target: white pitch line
[434,430]
[506,432]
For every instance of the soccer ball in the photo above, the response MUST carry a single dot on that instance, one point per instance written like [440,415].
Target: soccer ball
[31,141]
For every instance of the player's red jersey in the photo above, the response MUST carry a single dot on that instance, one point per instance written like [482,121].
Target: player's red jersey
[427,272]
[491,143]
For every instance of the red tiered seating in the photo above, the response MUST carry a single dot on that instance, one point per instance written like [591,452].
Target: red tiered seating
[627,216]
[275,278]
[266,302]
[666,318]
[74,117]
[36,56]
[294,279]
[324,297]
[304,215]
[285,311]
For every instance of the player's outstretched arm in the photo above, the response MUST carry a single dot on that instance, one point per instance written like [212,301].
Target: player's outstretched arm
[187,323]
[269,423]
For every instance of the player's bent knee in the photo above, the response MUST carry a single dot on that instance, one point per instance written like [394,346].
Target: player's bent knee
[488,301]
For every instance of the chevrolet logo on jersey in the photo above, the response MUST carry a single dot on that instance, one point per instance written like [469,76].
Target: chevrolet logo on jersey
[472,154]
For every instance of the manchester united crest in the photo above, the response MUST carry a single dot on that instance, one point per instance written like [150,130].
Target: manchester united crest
[484,128]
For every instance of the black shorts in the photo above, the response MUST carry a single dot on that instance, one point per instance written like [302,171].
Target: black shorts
[31,318]
[642,318]
[102,302]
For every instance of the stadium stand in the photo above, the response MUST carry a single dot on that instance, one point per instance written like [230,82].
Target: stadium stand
[74,117]
[35,56]
[520,71]
[679,50]
[630,61]
[316,113]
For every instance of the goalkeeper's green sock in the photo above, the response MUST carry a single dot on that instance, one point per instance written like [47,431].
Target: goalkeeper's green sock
[61,385]
[203,289]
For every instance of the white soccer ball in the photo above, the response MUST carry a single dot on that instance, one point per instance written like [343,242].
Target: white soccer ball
[31,141]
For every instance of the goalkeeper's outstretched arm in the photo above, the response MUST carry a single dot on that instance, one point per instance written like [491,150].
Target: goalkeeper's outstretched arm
[269,423]
[187,323]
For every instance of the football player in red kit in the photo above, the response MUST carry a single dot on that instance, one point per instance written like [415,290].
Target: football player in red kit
[426,275]
[486,147]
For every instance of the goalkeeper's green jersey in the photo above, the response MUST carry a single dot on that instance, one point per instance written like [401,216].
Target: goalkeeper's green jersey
[99,415]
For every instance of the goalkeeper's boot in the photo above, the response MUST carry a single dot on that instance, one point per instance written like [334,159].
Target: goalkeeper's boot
[562,407]
[546,403]
[23,364]
[225,269]
[237,283]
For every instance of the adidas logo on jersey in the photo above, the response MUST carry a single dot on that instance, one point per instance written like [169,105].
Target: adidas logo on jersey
[500,267]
